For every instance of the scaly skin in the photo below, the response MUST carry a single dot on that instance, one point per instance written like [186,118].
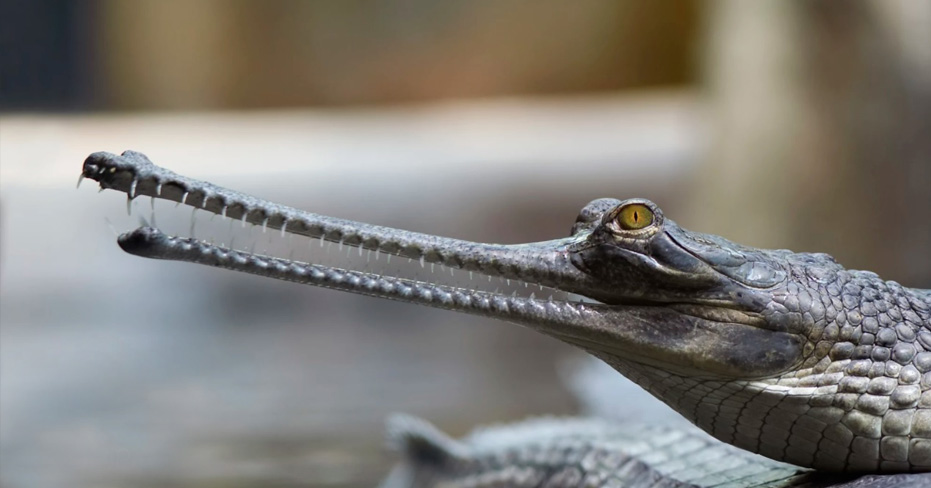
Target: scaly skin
[569,453]
[784,354]
[596,453]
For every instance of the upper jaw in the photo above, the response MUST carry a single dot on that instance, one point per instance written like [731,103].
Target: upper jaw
[555,264]
[542,263]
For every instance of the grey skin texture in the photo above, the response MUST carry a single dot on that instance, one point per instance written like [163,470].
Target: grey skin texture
[787,355]
[592,452]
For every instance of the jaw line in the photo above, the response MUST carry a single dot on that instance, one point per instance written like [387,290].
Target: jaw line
[625,330]
[544,263]
[551,317]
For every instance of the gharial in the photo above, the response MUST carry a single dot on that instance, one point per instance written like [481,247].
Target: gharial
[787,355]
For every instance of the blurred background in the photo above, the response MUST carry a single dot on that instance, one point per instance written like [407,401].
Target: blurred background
[800,125]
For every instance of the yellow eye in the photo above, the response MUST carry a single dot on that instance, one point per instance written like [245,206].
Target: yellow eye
[635,216]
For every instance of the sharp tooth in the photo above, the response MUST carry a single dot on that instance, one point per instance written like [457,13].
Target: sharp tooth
[80,179]
[129,205]
[132,188]
[158,189]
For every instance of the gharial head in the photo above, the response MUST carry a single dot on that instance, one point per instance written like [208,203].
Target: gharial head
[657,294]
[688,302]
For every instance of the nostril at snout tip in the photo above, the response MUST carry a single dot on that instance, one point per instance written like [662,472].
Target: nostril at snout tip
[136,240]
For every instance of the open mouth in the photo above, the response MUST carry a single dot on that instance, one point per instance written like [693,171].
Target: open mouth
[289,244]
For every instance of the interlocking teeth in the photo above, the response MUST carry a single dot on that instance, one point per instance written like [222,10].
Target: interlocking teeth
[283,244]
[135,175]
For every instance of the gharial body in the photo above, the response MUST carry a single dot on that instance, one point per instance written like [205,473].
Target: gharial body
[787,355]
